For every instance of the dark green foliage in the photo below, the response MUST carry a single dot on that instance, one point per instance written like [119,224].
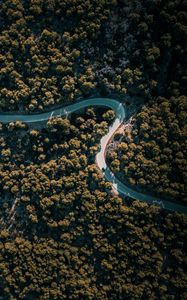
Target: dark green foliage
[54,52]
[65,235]
[153,154]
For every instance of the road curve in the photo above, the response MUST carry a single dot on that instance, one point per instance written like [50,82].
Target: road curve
[120,112]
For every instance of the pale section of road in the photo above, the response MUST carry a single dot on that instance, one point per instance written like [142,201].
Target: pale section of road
[100,157]
[119,110]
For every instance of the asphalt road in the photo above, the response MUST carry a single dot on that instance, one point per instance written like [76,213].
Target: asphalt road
[120,111]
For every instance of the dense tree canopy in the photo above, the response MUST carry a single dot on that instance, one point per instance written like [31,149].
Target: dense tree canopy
[152,154]
[65,235]
[54,51]
[64,232]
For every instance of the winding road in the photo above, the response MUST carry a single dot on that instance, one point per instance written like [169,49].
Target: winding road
[120,111]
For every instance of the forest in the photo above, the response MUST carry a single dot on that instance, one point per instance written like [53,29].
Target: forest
[151,155]
[65,233]
[55,52]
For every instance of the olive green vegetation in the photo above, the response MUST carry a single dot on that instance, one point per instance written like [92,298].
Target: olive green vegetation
[152,155]
[65,235]
[53,51]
